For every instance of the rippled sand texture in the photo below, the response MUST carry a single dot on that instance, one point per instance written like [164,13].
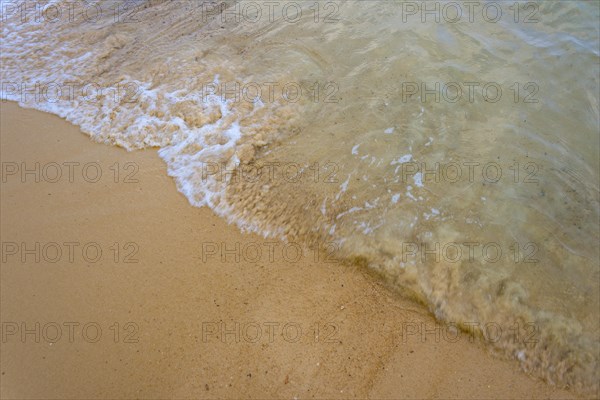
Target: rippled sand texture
[370,142]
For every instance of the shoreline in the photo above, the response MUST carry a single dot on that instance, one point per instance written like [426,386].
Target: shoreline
[160,314]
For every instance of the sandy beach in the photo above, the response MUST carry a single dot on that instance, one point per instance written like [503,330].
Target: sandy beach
[164,312]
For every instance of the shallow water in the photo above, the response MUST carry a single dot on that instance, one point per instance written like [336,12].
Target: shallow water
[454,151]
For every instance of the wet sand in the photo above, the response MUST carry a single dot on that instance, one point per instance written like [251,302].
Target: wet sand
[306,328]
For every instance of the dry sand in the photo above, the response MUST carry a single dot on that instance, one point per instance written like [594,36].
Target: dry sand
[168,304]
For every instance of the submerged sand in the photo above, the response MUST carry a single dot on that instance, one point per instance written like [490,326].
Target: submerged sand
[169,303]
